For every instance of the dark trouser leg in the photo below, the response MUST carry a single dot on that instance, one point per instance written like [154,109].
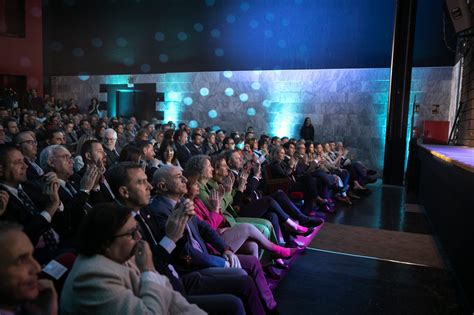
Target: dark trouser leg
[205,283]
[254,269]
[287,205]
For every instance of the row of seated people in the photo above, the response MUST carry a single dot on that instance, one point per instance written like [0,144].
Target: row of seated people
[53,207]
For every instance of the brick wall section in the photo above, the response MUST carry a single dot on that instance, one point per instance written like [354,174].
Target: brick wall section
[466,122]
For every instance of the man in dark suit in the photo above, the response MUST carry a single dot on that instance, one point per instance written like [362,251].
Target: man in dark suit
[21,208]
[74,193]
[195,147]
[26,143]
[217,293]
[93,154]
[182,151]
[191,252]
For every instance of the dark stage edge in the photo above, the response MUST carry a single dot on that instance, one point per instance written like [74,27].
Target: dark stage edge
[446,190]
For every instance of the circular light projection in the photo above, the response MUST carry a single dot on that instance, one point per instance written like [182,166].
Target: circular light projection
[229,91]
[56,46]
[269,17]
[159,36]
[282,43]
[198,27]
[215,33]
[215,128]
[244,97]
[219,52]
[188,101]
[78,52]
[83,76]
[145,67]
[128,61]
[193,124]
[285,22]
[230,18]
[121,42]
[303,49]
[25,62]
[253,24]
[163,58]
[204,91]
[256,85]
[33,82]
[228,74]
[182,36]
[251,111]
[212,114]
[97,42]
[268,33]
[244,6]
[298,1]
[266,103]
[210,3]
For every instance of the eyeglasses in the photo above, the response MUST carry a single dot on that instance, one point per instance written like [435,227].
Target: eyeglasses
[135,234]
[30,142]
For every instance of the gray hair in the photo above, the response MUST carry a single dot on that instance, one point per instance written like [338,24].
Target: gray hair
[112,132]
[196,163]
[162,174]
[46,154]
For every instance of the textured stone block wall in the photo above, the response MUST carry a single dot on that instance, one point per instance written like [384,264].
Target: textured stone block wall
[344,104]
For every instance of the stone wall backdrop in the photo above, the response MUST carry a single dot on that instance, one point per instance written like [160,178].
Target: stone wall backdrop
[344,104]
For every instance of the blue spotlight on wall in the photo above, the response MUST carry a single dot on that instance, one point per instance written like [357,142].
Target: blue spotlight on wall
[215,128]
[210,3]
[188,101]
[244,97]
[282,43]
[128,61]
[244,6]
[228,74]
[212,114]
[159,36]
[182,36]
[268,33]
[253,24]
[198,27]
[229,91]
[266,103]
[204,91]
[97,42]
[173,97]
[163,58]
[270,17]
[215,33]
[121,42]
[193,124]
[145,67]
[83,76]
[230,18]
[251,111]
[219,52]
[285,22]
[256,85]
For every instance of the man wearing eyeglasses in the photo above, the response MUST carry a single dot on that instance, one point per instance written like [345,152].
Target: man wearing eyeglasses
[26,143]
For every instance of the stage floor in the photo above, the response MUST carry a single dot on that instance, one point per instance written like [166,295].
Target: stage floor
[456,155]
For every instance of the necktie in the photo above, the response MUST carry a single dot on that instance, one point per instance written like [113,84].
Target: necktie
[49,236]
[194,242]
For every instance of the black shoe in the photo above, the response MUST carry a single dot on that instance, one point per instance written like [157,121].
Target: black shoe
[311,222]
[270,273]
[292,244]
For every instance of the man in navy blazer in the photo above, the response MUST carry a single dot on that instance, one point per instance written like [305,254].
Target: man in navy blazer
[191,252]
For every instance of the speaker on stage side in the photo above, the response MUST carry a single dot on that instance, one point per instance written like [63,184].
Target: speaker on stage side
[460,12]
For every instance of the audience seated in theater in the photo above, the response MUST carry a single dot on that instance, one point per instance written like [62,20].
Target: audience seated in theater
[71,136]
[307,130]
[210,146]
[148,156]
[85,128]
[192,253]
[195,146]
[21,292]
[109,142]
[215,293]
[11,129]
[242,238]
[77,160]
[22,209]
[114,272]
